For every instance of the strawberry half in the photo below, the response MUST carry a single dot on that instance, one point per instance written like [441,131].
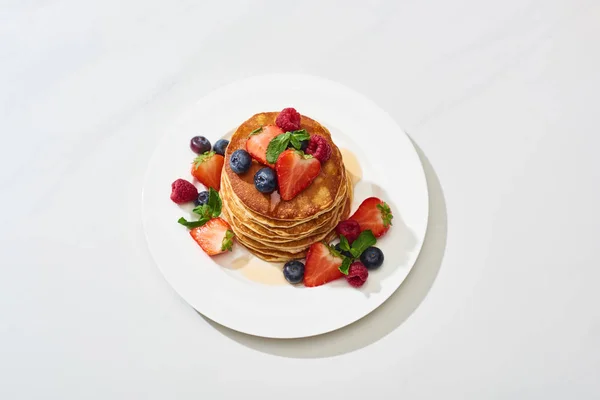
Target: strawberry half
[259,140]
[322,265]
[207,169]
[215,237]
[375,215]
[295,171]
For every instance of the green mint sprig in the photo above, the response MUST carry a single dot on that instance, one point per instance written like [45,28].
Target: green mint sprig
[365,240]
[211,209]
[279,143]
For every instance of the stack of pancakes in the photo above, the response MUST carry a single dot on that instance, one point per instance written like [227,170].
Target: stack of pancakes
[277,230]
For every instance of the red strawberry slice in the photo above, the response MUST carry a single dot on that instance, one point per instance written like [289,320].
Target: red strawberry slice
[321,266]
[375,215]
[207,169]
[215,237]
[295,172]
[259,140]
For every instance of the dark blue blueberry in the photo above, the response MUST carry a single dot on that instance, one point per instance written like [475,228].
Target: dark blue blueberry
[293,271]
[221,146]
[344,253]
[265,180]
[304,145]
[372,257]
[199,144]
[202,198]
[240,161]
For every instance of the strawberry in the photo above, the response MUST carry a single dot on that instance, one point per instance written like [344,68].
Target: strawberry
[295,172]
[322,265]
[207,169]
[259,140]
[215,237]
[375,215]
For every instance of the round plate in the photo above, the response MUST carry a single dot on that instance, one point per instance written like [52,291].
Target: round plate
[216,286]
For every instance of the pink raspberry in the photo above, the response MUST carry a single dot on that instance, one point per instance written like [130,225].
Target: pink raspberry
[183,191]
[357,274]
[349,228]
[319,148]
[288,120]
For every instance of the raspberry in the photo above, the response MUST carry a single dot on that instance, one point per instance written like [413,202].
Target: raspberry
[349,228]
[183,191]
[319,148]
[288,120]
[357,274]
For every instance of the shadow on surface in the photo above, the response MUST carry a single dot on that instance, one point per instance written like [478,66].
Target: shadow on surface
[391,314]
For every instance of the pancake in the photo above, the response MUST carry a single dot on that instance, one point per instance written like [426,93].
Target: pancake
[278,230]
[319,196]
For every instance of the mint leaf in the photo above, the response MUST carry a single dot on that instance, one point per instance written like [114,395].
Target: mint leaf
[295,142]
[344,245]
[297,137]
[214,202]
[202,210]
[256,131]
[301,135]
[345,265]
[276,146]
[365,240]
[193,224]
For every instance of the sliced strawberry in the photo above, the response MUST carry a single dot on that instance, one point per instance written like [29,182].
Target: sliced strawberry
[215,237]
[322,265]
[207,169]
[295,171]
[259,140]
[375,215]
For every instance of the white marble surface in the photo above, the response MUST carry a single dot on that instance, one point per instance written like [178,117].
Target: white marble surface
[502,98]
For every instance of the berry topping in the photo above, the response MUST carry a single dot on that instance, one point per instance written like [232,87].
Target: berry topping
[348,228]
[345,253]
[319,148]
[214,237]
[259,140]
[199,144]
[322,265]
[372,257]
[221,146]
[183,191]
[288,119]
[293,271]
[265,180]
[357,274]
[202,198]
[295,172]
[240,161]
[375,215]
[207,169]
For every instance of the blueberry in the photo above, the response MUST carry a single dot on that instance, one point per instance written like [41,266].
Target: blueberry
[293,271]
[199,144]
[202,198]
[221,146]
[344,253]
[304,145]
[240,161]
[372,257]
[265,180]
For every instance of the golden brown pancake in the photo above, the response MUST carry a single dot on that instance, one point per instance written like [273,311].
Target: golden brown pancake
[278,230]
[315,198]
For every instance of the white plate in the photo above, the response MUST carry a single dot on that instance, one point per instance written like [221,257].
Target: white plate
[221,291]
